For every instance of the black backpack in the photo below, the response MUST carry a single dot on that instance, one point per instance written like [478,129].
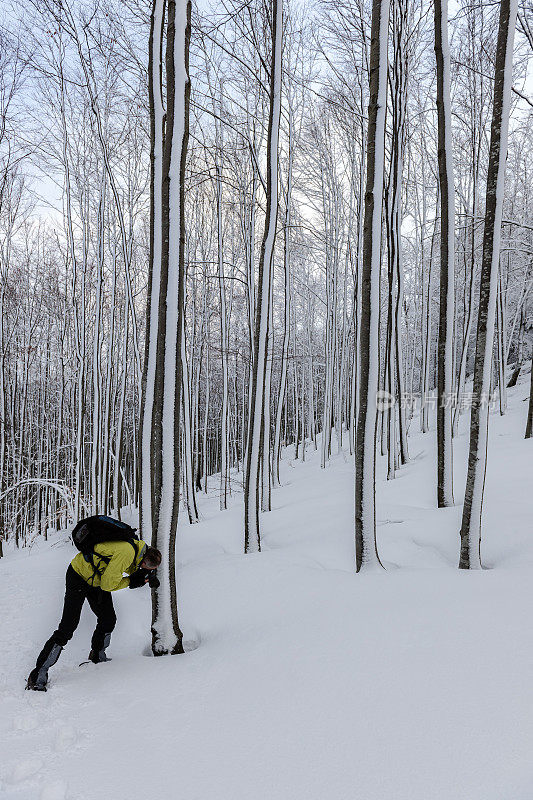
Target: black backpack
[91,531]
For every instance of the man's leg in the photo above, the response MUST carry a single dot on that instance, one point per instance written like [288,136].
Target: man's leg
[102,604]
[75,593]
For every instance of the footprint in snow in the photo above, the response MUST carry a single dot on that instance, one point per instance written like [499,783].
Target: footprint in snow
[54,790]
[24,769]
[66,736]
[26,722]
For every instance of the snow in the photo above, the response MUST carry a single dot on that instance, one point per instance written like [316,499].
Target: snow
[302,680]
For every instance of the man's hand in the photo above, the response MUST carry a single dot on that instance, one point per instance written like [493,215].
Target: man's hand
[153,580]
[138,579]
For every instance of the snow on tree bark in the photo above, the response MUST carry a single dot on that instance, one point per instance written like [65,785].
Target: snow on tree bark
[529,424]
[447,256]
[470,557]
[166,633]
[365,453]
[252,541]
[157,121]
[286,315]
[186,428]
[223,338]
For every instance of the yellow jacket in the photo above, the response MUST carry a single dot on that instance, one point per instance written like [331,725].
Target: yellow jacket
[109,574]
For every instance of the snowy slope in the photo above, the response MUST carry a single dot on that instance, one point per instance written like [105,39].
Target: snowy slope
[303,681]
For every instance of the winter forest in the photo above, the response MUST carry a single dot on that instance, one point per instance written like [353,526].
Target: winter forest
[266,294]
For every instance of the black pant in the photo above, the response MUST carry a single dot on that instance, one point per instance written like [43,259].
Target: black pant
[76,592]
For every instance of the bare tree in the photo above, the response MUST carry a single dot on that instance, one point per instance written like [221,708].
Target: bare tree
[157,122]
[470,557]
[529,424]
[252,541]
[166,634]
[365,454]
[447,249]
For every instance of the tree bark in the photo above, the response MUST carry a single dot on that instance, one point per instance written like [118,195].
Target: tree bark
[529,424]
[470,557]
[166,633]
[157,124]
[365,454]
[252,541]
[447,251]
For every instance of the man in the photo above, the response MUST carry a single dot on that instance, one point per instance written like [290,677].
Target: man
[94,579]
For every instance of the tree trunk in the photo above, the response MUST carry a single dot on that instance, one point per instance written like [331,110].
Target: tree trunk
[286,316]
[157,123]
[187,441]
[477,458]
[365,454]
[447,249]
[252,541]
[166,633]
[529,424]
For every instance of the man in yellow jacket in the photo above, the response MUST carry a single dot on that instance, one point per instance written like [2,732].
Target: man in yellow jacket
[93,578]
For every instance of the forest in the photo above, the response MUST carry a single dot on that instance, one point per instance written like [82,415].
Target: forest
[247,239]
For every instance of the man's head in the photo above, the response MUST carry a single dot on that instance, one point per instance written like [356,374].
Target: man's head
[151,559]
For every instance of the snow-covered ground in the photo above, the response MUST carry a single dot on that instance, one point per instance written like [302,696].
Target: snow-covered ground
[303,680]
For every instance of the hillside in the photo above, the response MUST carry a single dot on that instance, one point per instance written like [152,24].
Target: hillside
[302,680]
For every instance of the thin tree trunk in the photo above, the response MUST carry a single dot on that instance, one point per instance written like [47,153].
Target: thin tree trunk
[96,486]
[190,494]
[223,343]
[470,314]
[477,458]
[529,424]
[157,122]
[166,634]
[286,317]
[365,455]
[447,249]
[252,541]
[501,349]
[266,503]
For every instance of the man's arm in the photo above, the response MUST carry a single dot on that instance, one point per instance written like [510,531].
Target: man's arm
[113,576]
[134,566]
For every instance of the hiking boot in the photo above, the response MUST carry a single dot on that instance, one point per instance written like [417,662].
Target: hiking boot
[37,680]
[38,677]
[98,656]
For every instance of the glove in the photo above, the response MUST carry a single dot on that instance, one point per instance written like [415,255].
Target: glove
[138,579]
[153,580]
